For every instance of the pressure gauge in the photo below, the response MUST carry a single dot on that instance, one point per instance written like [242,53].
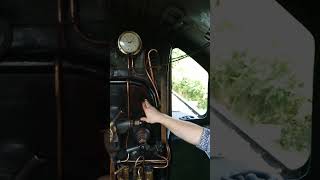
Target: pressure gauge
[129,42]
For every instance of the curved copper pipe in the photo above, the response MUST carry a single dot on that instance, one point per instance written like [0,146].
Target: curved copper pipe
[149,62]
[148,67]
[156,161]
[162,167]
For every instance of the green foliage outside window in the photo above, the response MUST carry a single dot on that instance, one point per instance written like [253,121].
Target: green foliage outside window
[192,90]
[263,92]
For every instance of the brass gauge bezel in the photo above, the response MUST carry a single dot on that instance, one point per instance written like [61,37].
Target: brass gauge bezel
[138,40]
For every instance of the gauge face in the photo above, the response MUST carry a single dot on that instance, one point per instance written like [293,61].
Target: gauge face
[129,42]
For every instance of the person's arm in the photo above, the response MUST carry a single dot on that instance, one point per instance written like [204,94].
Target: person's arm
[185,130]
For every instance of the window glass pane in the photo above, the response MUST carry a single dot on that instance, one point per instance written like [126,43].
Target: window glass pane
[189,87]
[262,76]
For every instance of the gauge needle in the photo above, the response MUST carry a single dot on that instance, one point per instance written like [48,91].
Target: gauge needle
[130,41]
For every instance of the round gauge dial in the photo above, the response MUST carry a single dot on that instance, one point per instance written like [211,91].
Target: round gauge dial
[129,42]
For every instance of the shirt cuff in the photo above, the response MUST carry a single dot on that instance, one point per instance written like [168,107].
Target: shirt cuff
[204,143]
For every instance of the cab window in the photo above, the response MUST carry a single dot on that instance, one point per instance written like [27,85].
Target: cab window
[262,77]
[189,87]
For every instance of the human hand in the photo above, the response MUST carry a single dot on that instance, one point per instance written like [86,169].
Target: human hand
[152,114]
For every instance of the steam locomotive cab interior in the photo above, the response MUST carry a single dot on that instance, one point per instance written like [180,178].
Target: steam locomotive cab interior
[135,147]
[73,83]
[74,74]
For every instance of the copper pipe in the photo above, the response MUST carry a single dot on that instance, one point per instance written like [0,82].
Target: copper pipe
[157,161]
[58,95]
[111,171]
[148,67]
[58,90]
[162,167]
[139,177]
[134,70]
[128,156]
[128,90]
[166,159]
[127,138]
[128,97]
[151,77]
[149,62]
[132,66]
[61,40]
[119,170]
[136,162]
[168,152]
[163,109]
[75,24]
[60,11]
